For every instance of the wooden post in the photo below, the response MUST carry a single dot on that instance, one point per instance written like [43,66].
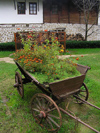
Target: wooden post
[15,41]
[64,41]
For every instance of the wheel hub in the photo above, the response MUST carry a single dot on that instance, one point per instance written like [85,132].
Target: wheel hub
[42,114]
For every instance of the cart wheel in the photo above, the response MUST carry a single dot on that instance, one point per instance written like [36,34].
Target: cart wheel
[19,84]
[46,112]
[83,94]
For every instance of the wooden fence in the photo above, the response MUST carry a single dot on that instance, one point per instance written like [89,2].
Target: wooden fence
[39,37]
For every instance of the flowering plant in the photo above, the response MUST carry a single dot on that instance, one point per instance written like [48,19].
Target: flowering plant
[43,62]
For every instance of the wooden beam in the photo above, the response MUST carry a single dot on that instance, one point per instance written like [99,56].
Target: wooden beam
[25,4]
[38,5]
[14,4]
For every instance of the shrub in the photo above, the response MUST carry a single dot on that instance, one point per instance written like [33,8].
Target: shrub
[9,46]
[82,44]
[44,62]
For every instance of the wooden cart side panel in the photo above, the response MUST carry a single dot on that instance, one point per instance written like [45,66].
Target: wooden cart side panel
[67,86]
[82,69]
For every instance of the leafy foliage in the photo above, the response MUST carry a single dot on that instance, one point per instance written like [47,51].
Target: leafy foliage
[9,46]
[43,61]
[82,44]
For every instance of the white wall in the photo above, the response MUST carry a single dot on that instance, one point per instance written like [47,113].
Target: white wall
[99,18]
[8,14]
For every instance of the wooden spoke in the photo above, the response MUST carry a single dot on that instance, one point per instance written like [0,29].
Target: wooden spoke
[19,84]
[46,112]
[53,121]
[38,102]
[35,110]
[53,116]
[83,94]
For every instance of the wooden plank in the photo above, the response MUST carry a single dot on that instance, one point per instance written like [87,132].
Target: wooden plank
[67,86]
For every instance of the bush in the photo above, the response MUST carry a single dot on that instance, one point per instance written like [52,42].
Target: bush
[82,44]
[9,46]
[43,61]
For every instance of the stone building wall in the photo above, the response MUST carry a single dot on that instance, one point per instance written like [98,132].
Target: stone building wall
[7,31]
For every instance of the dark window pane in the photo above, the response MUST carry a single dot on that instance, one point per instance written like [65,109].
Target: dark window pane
[54,9]
[21,7]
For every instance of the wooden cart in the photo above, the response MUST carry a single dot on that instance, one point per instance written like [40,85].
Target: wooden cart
[45,107]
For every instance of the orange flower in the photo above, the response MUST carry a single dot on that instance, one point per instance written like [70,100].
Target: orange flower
[81,55]
[18,28]
[45,30]
[52,56]
[44,46]
[77,58]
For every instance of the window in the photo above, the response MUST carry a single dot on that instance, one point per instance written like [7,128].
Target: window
[55,9]
[21,7]
[33,8]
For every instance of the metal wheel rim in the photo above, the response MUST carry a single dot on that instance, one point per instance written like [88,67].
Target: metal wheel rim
[43,112]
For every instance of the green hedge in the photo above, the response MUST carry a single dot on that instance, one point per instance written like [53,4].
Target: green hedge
[82,44]
[9,46]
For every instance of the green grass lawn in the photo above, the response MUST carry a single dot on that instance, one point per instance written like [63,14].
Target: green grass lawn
[6,53]
[15,113]
[84,51]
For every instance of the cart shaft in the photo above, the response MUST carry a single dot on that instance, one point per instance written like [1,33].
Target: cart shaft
[87,102]
[65,112]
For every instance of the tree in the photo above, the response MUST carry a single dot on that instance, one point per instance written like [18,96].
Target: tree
[87,6]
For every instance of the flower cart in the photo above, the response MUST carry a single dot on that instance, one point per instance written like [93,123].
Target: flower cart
[45,107]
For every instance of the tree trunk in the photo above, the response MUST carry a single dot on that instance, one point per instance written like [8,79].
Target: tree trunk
[86,31]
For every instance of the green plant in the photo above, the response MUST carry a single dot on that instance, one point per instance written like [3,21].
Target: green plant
[15,121]
[82,44]
[9,46]
[43,61]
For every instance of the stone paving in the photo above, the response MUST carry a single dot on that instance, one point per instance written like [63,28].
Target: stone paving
[7,60]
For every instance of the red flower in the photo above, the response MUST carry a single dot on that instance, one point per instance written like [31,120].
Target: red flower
[77,58]
[81,55]
[45,30]
[29,36]
[18,28]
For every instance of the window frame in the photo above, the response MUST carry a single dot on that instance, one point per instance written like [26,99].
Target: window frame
[33,8]
[18,11]
[53,9]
